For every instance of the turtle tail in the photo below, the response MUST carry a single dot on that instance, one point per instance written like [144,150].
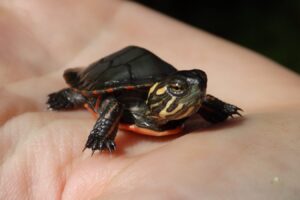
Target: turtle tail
[72,76]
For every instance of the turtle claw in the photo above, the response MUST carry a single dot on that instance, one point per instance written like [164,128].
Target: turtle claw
[110,145]
[237,112]
[232,110]
[93,151]
[96,142]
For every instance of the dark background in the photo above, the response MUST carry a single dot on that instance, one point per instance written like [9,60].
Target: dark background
[270,27]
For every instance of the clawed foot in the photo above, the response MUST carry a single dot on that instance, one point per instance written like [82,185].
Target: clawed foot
[232,110]
[97,142]
[214,110]
[58,101]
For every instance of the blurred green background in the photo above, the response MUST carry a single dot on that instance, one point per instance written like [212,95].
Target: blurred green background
[270,27]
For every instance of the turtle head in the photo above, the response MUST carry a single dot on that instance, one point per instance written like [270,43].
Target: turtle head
[178,96]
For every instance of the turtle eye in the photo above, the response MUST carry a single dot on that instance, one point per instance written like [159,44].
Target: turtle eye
[177,87]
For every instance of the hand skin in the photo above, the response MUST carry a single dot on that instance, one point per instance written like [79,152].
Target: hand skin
[256,157]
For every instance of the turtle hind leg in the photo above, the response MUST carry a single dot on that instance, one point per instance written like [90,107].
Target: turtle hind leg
[105,129]
[65,99]
[214,110]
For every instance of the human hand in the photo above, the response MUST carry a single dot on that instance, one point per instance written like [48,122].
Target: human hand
[251,158]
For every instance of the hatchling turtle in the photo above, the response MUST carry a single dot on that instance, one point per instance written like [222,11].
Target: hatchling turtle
[135,90]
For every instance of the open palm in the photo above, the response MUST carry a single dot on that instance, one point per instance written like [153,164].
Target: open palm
[41,152]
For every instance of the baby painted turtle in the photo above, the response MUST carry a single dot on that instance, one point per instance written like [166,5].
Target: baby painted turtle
[135,90]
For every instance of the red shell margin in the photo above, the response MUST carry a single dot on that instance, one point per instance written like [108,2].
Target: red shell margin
[144,131]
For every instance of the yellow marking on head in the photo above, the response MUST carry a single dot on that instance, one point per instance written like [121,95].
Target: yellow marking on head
[152,88]
[161,91]
[155,105]
[164,113]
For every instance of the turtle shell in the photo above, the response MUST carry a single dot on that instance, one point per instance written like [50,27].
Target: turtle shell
[130,67]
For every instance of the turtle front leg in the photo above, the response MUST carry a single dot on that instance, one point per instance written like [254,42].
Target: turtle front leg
[214,110]
[105,129]
[65,99]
